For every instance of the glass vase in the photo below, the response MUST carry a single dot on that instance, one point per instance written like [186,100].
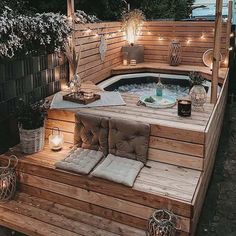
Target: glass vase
[198,96]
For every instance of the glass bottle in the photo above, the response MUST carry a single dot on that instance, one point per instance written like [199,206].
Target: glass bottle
[159,87]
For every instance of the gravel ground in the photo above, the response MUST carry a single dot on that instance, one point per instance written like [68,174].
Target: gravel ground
[218,217]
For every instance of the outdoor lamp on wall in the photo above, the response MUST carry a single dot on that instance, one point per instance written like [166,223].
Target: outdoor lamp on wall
[56,139]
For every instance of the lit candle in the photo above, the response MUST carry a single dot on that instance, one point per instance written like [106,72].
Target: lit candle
[56,140]
[211,66]
[3,184]
[125,62]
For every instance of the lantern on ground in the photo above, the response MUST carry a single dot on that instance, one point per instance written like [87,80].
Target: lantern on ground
[8,180]
[56,139]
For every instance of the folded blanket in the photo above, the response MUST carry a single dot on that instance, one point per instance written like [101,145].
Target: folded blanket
[80,160]
[118,169]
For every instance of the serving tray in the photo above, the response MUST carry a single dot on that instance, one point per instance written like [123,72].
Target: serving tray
[79,98]
[159,102]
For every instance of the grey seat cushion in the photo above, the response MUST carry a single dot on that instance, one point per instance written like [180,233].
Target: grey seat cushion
[80,160]
[129,139]
[91,132]
[118,169]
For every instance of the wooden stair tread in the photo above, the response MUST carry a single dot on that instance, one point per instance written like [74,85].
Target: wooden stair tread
[47,218]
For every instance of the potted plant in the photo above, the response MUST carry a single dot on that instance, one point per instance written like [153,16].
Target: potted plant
[31,125]
[131,25]
[197,93]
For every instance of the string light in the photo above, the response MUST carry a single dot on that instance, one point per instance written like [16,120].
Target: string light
[232,35]
[203,36]
[188,41]
[231,49]
[88,31]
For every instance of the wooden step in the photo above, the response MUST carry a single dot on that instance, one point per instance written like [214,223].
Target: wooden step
[38,217]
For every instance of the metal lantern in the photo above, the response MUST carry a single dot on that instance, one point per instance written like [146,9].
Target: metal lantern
[8,180]
[162,223]
[175,52]
[56,139]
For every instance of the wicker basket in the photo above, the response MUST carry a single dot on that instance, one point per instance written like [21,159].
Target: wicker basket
[8,180]
[32,140]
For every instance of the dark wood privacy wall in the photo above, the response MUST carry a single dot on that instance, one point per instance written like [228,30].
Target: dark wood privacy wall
[29,78]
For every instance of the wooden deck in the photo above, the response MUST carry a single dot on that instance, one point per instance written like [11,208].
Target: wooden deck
[181,155]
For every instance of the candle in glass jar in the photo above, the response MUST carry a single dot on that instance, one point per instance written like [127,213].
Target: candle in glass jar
[184,108]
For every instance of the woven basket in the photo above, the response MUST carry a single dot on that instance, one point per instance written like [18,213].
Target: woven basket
[8,180]
[32,140]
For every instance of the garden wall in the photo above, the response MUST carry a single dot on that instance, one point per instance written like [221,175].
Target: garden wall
[32,77]
[195,38]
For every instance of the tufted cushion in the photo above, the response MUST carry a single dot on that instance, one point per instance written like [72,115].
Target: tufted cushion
[91,132]
[129,139]
[80,160]
[118,169]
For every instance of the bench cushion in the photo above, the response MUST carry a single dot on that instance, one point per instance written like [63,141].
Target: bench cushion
[80,160]
[91,132]
[129,139]
[118,169]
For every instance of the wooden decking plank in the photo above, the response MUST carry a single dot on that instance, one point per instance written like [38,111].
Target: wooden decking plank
[176,146]
[85,207]
[175,158]
[76,215]
[60,221]
[30,226]
[116,204]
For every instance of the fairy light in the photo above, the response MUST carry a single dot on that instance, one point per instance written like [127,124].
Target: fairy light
[88,31]
[231,49]
[188,41]
[232,35]
[203,36]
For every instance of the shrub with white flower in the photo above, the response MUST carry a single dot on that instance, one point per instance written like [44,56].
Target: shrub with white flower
[36,34]
[32,35]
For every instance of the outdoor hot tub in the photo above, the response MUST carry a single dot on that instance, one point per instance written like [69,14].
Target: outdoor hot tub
[145,84]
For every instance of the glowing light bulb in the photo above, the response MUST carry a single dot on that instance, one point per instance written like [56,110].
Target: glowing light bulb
[231,49]
[232,35]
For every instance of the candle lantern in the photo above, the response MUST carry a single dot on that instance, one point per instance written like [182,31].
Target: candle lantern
[184,107]
[125,58]
[175,52]
[8,180]
[56,139]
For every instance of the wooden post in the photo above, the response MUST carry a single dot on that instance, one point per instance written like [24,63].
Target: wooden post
[70,8]
[71,15]
[229,24]
[216,51]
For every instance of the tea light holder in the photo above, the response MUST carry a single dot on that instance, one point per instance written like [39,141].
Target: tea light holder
[8,180]
[88,95]
[184,107]
[56,139]
[133,62]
